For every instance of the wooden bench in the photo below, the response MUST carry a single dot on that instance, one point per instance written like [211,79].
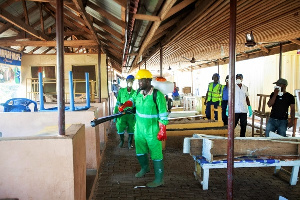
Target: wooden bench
[210,152]
[202,167]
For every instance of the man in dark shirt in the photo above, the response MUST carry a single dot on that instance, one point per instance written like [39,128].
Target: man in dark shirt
[280,101]
[225,100]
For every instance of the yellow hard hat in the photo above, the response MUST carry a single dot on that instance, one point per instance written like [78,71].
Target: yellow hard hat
[143,73]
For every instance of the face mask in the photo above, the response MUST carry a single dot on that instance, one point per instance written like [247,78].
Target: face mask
[238,81]
[129,84]
[279,88]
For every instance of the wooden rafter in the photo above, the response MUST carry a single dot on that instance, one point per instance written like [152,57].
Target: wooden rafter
[178,7]
[122,3]
[41,17]
[107,36]
[109,29]
[167,25]
[52,1]
[107,15]
[81,9]
[165,9]
[295,41]
[5,27]
[25,12]
[33,50]
[18,22]
[47,50]
[71,43]
[146,17]
[70,19]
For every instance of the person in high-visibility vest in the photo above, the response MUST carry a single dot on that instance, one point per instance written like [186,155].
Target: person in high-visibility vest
[150,126]
[224,104]
[213,95]
[128,120]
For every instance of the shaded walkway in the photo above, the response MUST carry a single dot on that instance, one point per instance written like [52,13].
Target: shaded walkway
[116,178]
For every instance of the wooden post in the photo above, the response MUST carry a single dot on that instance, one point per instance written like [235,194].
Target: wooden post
[60,67]
[230,142]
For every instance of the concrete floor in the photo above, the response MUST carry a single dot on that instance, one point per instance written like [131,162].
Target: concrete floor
[116,177]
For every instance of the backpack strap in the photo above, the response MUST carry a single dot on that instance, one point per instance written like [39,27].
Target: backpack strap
[154,96]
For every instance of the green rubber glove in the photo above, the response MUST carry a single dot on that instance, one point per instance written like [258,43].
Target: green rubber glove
[227,110]
[250,111]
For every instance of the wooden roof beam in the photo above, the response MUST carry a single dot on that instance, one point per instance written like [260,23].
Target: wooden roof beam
[264,49]
[165,9]
[178,7]
[69,33]
[52,1]
[106,41]
[71,43]
[20,24]
[25,12]
[295,41]
[167,25]
[5,27]
[146,17]
[47,50]
[42,17]
[112,40]
[122,3]
[33,50]
[107,15]
[85,16]
[108,29]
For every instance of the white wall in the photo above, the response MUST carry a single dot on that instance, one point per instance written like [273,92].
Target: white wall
[259,75]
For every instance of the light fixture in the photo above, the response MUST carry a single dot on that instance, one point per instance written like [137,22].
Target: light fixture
[250,40]
[169,68]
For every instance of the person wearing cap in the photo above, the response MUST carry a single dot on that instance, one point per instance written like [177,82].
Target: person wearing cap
[280,101]
[213,95]
[224,95]
[150,126]
[115,88]
[242,104]
[127,121]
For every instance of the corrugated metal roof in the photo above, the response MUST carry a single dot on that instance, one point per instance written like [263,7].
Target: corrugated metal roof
[199,28]
[110,6]
[103,19]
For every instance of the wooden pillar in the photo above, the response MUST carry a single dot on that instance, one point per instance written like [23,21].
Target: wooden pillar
[231,103]
[60,67]
[99,73]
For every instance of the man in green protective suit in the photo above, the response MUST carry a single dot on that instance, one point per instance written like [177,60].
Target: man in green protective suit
[126,121]
[150,127]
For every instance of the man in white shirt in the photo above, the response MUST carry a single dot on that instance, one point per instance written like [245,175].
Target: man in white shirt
[242,104]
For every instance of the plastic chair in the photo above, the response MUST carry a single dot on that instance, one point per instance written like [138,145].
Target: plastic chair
[19,105]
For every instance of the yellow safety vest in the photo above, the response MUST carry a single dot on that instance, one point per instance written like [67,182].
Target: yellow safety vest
[214,93]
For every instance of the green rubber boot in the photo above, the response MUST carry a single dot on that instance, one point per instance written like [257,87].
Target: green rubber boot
[144,162]
[121,140]
[159,174]
[130,137]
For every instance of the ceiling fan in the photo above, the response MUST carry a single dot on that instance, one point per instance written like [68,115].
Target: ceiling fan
[193,60]
[250,42]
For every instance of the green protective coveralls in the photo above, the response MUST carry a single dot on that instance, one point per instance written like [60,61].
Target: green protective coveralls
[147,123]
[128,120]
